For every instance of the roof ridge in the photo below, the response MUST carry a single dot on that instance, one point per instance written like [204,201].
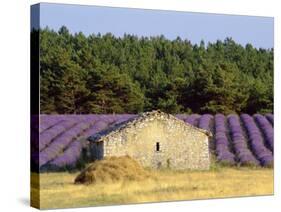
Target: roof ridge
[141,117]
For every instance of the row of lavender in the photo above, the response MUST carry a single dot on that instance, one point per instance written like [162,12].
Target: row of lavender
[244,140]
[62,138]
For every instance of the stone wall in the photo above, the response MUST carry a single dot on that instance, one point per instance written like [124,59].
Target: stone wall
[181,146]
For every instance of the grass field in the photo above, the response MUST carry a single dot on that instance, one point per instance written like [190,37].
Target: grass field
[59,191]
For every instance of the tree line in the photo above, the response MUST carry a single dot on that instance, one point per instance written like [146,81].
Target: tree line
[107,74]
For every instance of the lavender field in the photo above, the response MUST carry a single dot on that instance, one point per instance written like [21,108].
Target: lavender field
[237,140]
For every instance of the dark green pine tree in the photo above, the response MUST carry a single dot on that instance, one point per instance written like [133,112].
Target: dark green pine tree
[130,74]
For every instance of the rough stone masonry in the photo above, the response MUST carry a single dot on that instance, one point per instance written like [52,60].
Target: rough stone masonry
[157,140]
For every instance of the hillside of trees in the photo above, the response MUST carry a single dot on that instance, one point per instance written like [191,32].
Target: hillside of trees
[107,74]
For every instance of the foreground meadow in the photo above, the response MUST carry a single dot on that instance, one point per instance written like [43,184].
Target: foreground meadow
[59,191]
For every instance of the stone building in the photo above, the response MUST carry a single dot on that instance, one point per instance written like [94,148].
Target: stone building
[155,139]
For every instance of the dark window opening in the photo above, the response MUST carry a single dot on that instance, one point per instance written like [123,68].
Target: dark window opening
[157,146]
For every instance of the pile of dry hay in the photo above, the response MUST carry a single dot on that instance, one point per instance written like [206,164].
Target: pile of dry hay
[112,169]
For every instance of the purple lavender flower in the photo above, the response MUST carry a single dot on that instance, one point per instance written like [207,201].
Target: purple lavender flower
[221,141]
[204,121]
[192,119]
[256,141]
[243,154]
[266,129]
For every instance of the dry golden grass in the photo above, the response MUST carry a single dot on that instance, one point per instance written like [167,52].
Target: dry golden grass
[58,189]
[112,169]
